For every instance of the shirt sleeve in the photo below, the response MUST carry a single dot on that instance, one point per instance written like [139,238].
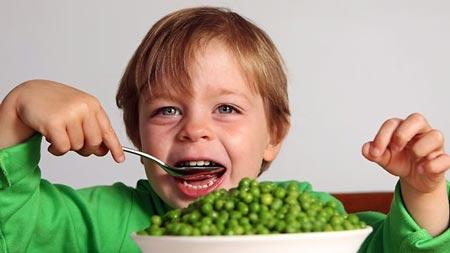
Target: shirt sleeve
[32,212]
[19,162]
[37,216]
[399,233]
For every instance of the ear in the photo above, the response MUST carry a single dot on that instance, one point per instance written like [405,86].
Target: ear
[271,151]
[274,145]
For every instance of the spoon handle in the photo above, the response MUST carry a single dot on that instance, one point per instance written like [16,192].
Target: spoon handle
[139,153]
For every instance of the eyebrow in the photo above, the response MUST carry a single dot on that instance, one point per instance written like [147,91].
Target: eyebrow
[217,91]
[222,91]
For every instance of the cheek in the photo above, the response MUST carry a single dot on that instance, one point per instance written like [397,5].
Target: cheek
[246,147]
[154,141]
[248,139]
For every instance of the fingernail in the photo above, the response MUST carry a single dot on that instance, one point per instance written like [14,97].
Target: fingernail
[121,159]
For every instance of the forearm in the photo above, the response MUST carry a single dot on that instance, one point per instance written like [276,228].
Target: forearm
[13,130]
[429,210]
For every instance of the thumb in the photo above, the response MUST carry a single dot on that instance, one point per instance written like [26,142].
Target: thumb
[373,154]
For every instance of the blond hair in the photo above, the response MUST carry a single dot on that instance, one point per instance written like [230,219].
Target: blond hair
[164,56]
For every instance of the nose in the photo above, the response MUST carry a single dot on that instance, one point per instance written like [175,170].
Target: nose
[195,129]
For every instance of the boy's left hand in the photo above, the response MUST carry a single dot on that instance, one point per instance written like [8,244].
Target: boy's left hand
[412,150]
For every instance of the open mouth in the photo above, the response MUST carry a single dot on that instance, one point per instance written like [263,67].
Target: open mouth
[200,181]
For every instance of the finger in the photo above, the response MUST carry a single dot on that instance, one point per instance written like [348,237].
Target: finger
[431,141]
[434,154]
[382,159]
[383,137]
[109,137]
[92,137]
[415,124]
[60,143]
[436,166]
[76,137]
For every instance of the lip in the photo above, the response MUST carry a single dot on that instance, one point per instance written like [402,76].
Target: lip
[195,193]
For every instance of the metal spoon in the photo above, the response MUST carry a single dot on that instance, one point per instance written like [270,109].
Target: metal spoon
[175,171]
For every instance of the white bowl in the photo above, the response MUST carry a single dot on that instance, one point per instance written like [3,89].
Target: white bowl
[317,242]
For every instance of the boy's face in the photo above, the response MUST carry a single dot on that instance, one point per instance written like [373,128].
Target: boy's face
[222,122]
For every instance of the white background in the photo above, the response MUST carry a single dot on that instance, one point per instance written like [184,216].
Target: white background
[352,65]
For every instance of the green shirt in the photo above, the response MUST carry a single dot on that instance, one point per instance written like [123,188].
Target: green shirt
[37,216]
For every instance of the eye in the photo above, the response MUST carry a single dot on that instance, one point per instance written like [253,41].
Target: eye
[167,111]
[227,109]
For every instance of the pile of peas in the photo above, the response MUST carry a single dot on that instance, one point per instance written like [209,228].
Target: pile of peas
[253,208]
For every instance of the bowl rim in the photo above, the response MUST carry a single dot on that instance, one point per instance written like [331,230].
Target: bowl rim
[285,236]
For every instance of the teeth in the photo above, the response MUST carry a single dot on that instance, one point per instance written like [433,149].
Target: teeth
[204,186]
[197,163]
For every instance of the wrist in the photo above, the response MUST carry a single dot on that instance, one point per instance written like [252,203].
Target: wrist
[14,130]
[430,210]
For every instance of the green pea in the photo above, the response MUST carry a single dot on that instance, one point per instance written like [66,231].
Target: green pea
[174,214]
[266,187]
[245,183]
[280,226]
[219,204]
[348,225]
[292,187]
[223,215]
[276,204]
[156,231]
[306,226]
[253,217]
[196,232]
[207,208]
[255,191]
[156,220]
[229,205]
[353,219]
[204,228]
[279,193]
[247,197]
[243,208]
[213,230]
[336,220]
[238,230]
[266,199]
[332,204]
[206,220]
[185,230]
[262,230]
[254,208]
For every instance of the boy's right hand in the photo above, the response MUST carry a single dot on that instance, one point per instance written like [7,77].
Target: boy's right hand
[68,118]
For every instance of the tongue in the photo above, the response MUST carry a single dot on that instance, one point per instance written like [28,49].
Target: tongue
[199,174]
[199,177]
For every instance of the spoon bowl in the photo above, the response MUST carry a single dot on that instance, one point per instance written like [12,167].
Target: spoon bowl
[181,172]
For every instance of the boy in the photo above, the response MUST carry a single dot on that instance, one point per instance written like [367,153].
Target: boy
[205,86]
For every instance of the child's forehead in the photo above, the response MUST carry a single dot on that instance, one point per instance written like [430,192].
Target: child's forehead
[167,91]
[183,85]
[170,92]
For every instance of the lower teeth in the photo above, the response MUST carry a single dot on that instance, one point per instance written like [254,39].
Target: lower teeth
[210,183]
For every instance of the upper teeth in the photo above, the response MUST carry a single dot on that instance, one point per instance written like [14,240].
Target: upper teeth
[197,163]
